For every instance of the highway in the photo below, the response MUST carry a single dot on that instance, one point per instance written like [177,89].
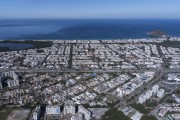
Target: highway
[159,74]
[35,70]
[123,101]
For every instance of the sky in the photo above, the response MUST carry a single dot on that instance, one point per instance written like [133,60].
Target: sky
[89,8]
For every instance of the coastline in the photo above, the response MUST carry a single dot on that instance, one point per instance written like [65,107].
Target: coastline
[37,44]
[160,39]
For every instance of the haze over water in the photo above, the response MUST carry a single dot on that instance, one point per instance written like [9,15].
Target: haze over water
[85,28]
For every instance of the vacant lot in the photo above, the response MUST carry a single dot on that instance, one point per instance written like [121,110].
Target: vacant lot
[20,114]
[5,112]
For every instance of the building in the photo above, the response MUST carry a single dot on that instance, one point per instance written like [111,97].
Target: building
[53,110]
[78,116]
[160,93]
[11,74]
[13,83]
[142,99]
[120,92]
[87,114]
[36,113]
[155,88]
[148,94]
[154,91]
[69,108]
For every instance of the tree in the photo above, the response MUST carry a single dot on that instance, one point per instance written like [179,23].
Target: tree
[114,114]
[145,117]
[140,107]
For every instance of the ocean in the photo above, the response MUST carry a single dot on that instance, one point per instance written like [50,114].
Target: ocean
[78,29]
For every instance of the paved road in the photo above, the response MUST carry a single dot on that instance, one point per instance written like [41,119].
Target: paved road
[154,112]
[95,70]
[159,73]
[123,102]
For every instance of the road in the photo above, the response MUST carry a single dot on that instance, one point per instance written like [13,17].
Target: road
[123,102]
[154,111]
[35,70]
[159,74]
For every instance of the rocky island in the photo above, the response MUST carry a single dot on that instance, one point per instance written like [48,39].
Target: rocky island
[157,33]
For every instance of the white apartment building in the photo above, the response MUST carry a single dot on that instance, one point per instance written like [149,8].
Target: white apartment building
[53,110]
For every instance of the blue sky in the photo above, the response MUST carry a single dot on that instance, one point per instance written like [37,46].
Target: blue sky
[89,9]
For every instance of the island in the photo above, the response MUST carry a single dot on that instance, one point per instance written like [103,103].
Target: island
[157,33]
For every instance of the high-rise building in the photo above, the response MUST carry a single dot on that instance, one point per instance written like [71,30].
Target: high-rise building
[142,99]
[87,114]
[69,108]
[36,113]
[11,74]
[148,94]
[155,89]
[12,83]
[160,93]
[53,110]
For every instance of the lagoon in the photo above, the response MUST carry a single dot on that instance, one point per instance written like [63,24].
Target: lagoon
[13,46]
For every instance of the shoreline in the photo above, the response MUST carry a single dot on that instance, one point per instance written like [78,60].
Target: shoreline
[106,40]
[37,44]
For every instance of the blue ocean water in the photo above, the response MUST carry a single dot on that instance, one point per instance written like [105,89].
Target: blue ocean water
[85,28]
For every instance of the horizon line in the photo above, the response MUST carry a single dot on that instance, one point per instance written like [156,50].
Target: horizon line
[95,18]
